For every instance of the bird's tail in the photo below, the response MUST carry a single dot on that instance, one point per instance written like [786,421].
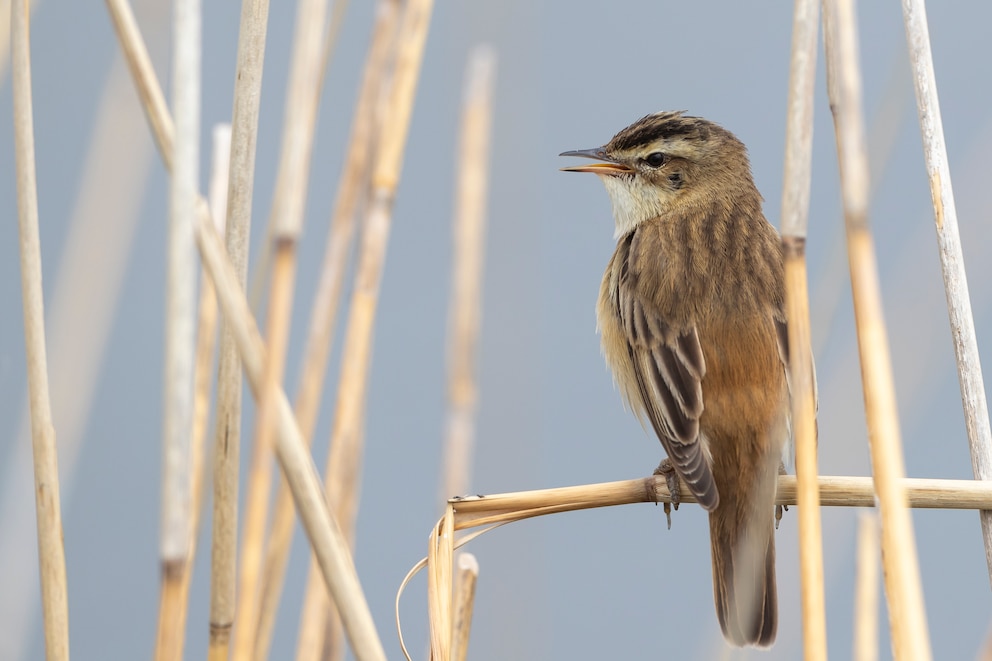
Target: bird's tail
[742,541]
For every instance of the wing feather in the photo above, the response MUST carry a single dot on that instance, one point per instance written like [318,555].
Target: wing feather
[669,367]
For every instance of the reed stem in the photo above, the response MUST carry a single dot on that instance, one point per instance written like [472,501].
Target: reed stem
[174,598]
[802,385]
[227,440]
[465,311]
[904,592]
[180,333]
[347,442]
[464,604]
[51,552]
[326,538]
[970,379]
[354,179]
[140,63]
[286,221]
[866,590]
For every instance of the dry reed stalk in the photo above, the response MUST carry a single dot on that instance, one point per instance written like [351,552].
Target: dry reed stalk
[835,491]
[140,63]
[464,603]
[866,591]
[180,335]
[227,438]
[883,131]
[330,40]
[972,384]
[466,279]
[51,552]
[5,37]
[302,98]
[80,312]
[329,44]
[345,456]
[490,511]
[319,523]
[170,636]
[207,332]
[440,549]
[795,216]
[174,597]
[354,179]
[329,544]
[260,475]
[907,617]
[5,34]
[286,223]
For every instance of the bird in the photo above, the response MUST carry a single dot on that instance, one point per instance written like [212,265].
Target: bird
[691,314]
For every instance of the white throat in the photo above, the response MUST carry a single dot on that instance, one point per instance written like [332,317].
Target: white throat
[634,201]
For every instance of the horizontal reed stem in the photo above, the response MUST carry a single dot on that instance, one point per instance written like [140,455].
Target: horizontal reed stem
[835,491]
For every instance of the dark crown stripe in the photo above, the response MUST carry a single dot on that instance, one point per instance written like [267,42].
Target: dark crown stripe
[661,126]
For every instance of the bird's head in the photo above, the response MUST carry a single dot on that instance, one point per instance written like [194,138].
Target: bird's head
[666,161]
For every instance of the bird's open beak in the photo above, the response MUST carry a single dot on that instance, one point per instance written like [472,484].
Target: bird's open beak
[605,166]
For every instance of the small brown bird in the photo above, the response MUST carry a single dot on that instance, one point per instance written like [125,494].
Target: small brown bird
[691,312]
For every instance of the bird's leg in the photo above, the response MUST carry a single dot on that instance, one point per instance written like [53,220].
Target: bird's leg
[780,508]
[667,469]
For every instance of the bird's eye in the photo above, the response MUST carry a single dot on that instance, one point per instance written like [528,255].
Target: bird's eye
[656,159]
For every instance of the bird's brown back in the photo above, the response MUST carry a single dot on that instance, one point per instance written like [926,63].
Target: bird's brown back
[719,269]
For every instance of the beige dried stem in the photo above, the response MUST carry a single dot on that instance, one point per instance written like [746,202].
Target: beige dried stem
[256,289]
[344,458]
[334,557]
[260,472]
[884,128]
[285,225]
[51,552]
[174,596]
[465,309]
[466,577]
[835,491]
[149,91]
[180,334]
[329,545]
[976,411]
[331,35]
[5,35]
[488,512]
[286,221]
[80,311]
[866,591]
[206,343]
[227,438]
[440,551]
[795,216]
[354,179]
[907,617]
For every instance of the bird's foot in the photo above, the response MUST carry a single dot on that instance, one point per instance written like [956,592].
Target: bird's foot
[667,469]
[780,508]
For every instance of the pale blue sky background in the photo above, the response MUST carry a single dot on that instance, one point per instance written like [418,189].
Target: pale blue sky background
[603,584]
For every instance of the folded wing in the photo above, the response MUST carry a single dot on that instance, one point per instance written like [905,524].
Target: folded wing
[669,367]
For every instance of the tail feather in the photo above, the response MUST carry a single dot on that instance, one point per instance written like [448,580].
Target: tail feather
[744,584]
[742,542]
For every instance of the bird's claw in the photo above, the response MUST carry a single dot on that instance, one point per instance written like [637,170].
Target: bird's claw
[674,490]
[780,508]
